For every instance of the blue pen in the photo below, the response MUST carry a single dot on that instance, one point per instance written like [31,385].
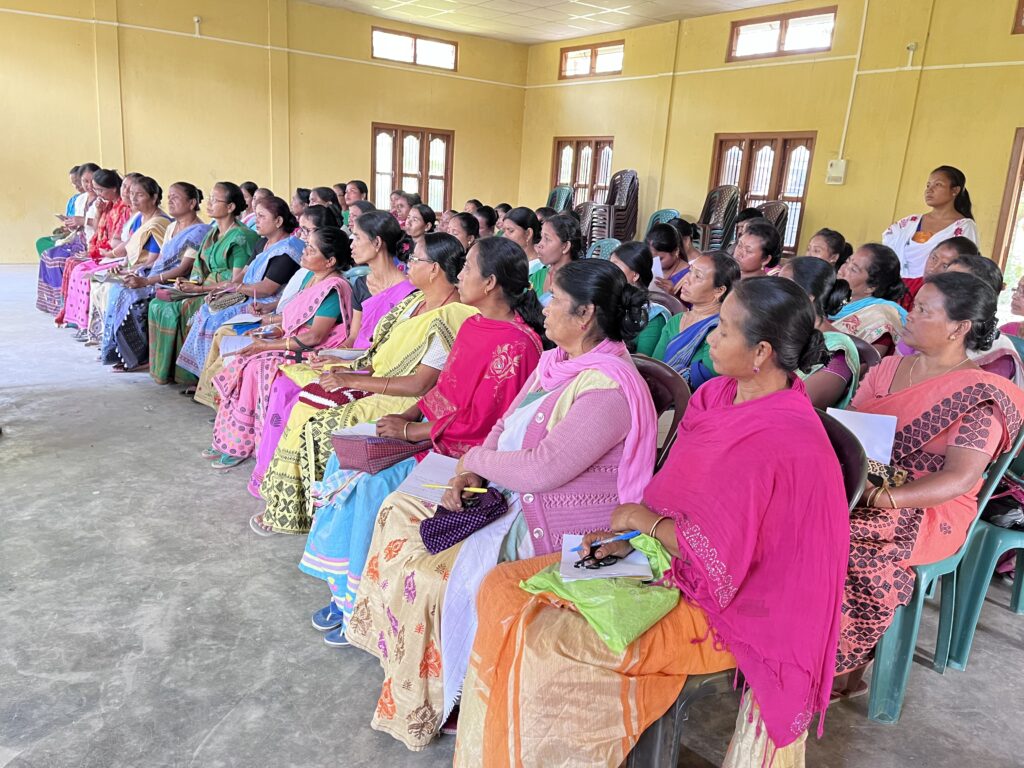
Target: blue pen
[621,537]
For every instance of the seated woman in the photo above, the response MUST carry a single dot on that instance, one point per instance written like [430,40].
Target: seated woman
[314,218]
[521,226]
[829,245]
[249,189]
[831,384]
[577,441]
[487,218]
[299,202]
[141,250]
[127,320]
[501,209]
[1016,328]
[665,246]
[941,256]
[262,282]
[412,345]
[758,250]
[419,222]
[635,261]
[465,228]
[493,355]
[686,231]
[872,314]
[732,548]
[221,261]
[112,214]
[53,261]
[684,340]
[328,198]
[913,237]
[743,220]
[318,317]
[953,419]
[561,243]
[375,241]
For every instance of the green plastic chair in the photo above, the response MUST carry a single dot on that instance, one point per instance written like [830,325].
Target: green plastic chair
[663,216]
[602,249]
[894,653]
[560,198]
[985,546]
[355,273]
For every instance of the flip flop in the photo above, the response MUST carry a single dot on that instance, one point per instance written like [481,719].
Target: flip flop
[259,527]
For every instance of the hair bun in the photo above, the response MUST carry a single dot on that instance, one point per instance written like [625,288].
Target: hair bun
[814,352]
[982,335]
[633,311]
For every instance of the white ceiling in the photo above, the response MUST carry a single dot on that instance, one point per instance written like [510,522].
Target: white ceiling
[536,21]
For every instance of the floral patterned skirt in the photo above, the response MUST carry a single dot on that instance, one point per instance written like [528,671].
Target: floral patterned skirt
[397,618]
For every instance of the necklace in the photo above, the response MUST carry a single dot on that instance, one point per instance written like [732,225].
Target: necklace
[423,304]
[913,366]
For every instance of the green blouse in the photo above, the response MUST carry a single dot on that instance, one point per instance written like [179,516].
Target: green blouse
[220,255]
[329,307]
[669,332]
[537,280]
[650,337]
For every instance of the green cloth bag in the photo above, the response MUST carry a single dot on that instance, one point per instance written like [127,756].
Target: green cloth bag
[619,610]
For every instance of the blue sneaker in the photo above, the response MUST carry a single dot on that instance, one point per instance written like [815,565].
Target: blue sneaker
[336,638]
[328,618]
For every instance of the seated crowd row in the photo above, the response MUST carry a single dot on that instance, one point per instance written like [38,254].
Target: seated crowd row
[486,337]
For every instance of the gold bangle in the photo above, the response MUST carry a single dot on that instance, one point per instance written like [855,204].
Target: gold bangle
[656,524]
[872,495]
[387,381]
[888,493]
[405,432]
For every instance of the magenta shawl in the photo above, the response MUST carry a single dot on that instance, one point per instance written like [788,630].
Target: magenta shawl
[612,359]
[761,516]
[375,307]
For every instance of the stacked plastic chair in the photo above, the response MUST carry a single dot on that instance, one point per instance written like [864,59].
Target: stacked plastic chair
[776,213]
[718,218]
[560,198]
[595,223]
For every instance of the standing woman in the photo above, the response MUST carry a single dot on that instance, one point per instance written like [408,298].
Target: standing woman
[316,318]
[223,255]
[112,214]
[263,280]
[873,314]
[128,313]
[560,243]
[913,237]
[684,341]
[522,227]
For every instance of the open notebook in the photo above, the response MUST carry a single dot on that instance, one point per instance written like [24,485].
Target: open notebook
[634,566]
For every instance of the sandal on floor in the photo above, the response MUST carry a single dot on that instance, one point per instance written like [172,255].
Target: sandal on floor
[210,453]
[223,461]
[187,391]
[259,527]
[144,368]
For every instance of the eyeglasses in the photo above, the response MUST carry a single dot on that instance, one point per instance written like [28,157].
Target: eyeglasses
[422,261]
[215,200]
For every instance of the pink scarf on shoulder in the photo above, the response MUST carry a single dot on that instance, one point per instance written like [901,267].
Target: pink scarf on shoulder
[307,301]
[611,358]
[756,493]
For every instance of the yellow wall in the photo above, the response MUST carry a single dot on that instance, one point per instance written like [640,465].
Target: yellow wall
[903,122]
[202,109]
[138,91]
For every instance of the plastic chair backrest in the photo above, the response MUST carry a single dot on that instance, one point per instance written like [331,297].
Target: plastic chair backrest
[849,451]
[869,356]
[777,213]
[663,216]
[668,390]
[666,300]
[602,249]
[560,198]
[355,273]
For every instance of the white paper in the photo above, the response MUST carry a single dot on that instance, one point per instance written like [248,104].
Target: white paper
[367,428]
[875,431]
[343,354]
[232,345]
[658,272]
[634,566]
[245,317]
[435,469]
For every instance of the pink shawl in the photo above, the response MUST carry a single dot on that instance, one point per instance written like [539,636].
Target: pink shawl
[761,517]
[306,302]
[375,307]
[612,359]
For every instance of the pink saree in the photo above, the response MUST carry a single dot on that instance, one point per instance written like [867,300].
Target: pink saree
[244,384]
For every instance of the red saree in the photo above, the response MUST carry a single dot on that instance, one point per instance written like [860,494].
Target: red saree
[487,356]
[965,409]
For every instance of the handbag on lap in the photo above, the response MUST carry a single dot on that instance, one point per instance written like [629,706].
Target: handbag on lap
[371,454]
[448,527]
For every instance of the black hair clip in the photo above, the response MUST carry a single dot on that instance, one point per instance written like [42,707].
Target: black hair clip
[592,563]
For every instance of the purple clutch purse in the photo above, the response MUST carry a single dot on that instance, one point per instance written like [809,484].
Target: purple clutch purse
[448,527]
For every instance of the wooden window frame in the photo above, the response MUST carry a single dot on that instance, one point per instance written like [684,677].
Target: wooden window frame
[775,191]
[1018,20]
[595,141]
[593,48]
[1011,199]
[783,19]
[426,135]
[415,42]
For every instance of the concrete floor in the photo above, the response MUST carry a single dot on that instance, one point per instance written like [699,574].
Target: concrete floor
[143,624]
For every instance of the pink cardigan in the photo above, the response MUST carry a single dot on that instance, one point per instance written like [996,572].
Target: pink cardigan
[566,477]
